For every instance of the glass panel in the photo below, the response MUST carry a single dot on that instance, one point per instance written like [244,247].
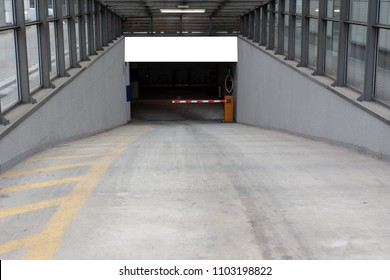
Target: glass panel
[76,6]
[65,7]
[298,7]
[33,57]
[66,43]
[358,10]
[53,50]
[382,90]
[286,6]
[276,5]
[313,39]
[298,36]
[86,35]
[384,17]
[50,8]
[30,10]
[285,34]
[6,12]
[333,9]
[77,27]
[9,95]
[332,45]
[313,4]
[355,58]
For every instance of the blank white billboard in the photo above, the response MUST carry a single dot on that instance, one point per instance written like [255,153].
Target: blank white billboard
[181,49]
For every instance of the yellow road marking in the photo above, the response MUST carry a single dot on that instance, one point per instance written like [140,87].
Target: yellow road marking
[30,207]
[51,168]
[65,149]
[14,245]
[40,185]
[51,236]
[63,157]
[102,144]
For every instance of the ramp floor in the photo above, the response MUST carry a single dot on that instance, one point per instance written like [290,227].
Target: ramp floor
[195,190]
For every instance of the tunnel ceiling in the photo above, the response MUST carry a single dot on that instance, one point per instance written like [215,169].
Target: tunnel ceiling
[145,16]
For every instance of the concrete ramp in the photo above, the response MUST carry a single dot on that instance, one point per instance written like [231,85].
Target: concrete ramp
[164,110]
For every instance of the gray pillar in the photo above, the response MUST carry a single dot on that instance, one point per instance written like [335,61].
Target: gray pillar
[22,60]
[251,25]
[370,53]
[44,45]
[263,37]
[305,34]
[98,27]
[291,31]
[321,48]
[271,43]
[342,49]
[60,41]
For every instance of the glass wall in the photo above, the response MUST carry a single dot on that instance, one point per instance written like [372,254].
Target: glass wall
[27,65]
[9,94]
[382,83]
[344,27]
[356,41]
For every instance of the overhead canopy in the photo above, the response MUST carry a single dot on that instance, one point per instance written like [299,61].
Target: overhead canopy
[146,16]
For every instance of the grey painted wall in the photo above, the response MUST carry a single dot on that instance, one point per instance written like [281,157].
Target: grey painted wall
[94,101]
[272,95]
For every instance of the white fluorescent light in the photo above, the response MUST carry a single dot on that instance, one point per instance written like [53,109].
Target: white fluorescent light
[181,11]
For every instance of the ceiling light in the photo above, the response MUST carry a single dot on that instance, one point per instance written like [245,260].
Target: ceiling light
[181,11]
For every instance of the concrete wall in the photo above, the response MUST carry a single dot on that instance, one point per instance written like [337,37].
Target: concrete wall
[271,94]
[94,101]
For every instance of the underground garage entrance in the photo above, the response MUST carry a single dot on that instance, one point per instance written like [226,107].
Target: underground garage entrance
[197,72]
[155,85]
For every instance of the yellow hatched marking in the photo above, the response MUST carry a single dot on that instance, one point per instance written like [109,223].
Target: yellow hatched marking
[40,185]
[30,207]
[14,245]
[63,157]
[52,234]
[110,144]
[46,169]
[65,149]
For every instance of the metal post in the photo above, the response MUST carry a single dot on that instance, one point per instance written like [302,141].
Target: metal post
[305,34]
[242,23]
[83,34]
[246,18]
[44,45]
[370,53]
[60,41]
[321,48]
[263,37]
[151,26]
[91,40]
[98,27]
[271,43]
[280,48]
[251,25]
[256,31]
[342,49]
[72,36]
[291,30]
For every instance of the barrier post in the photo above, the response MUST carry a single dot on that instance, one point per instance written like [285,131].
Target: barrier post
[228,108]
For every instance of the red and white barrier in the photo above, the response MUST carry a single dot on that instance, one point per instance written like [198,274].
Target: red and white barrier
[198,101]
